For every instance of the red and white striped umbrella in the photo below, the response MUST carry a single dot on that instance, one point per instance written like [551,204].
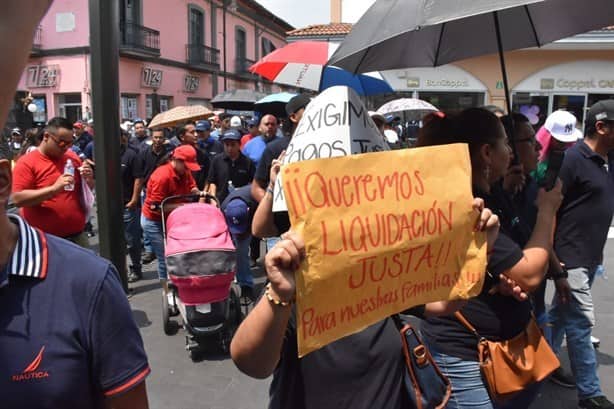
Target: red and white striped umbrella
[303,64]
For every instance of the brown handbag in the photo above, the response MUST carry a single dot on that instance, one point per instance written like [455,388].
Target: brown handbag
[510,366]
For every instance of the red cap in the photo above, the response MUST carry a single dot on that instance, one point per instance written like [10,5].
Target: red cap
[187,154]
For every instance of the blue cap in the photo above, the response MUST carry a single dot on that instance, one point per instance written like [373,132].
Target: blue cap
[237,216]
[232,135]
[203,126]
[252,122]
[391,118]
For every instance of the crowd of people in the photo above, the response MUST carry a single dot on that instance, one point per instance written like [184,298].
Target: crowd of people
[67,331]
[509,169]
[237,163]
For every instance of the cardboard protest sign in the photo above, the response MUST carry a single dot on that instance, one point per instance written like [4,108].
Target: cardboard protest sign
[335,123]
[383,232]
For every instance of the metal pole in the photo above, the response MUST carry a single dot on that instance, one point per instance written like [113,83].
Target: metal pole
[104,38]
[508,100]
[224,45]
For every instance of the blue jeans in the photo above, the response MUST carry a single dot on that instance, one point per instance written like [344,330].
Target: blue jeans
[468,388]
[575,320]
[146,243]
[132,231]
[153,230]
[244,272]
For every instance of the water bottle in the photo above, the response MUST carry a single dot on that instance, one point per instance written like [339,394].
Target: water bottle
[231,187]
[69,169]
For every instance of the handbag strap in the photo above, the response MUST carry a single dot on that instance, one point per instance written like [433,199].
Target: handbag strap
[467,324]
[397,321]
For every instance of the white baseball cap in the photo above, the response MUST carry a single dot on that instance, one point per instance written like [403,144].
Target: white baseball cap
[235,122]
[562,126]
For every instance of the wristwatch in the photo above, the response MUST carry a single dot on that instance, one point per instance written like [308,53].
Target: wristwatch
[559,274]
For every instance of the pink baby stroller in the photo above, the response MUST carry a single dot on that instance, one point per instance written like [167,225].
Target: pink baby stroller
[201,265]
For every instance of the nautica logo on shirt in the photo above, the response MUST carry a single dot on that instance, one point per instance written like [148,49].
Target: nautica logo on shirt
[31,371]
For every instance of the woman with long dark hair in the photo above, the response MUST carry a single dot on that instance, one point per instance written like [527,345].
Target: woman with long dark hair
[495,316]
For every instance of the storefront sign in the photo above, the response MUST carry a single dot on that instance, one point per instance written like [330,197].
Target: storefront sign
[191,83]
[151,78]
[42,76]
[579,76]
[446,83]
[444,78]
[413,82]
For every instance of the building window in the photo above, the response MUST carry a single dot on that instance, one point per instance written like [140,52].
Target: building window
[240,43]
[129,108]
[40,115]
[165,103]
[267,46]
[197,26]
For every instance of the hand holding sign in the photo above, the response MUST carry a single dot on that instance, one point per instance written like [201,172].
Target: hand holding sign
[383,231]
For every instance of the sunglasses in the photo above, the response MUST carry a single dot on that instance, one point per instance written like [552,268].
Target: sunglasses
[62,144]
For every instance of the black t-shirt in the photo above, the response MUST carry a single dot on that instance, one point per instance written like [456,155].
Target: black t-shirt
[200,176]
[224,170]
[495,317]
[130,170]
[363,370]
[584,217]
[271,151]
[513,223]
[525,203]
[148,160]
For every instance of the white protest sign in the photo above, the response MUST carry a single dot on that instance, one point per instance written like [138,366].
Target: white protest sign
[335,123]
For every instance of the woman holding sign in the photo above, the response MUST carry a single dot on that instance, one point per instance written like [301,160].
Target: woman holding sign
[363,370]
[495,314]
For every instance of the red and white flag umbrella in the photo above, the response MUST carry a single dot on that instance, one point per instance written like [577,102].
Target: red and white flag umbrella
[302,64]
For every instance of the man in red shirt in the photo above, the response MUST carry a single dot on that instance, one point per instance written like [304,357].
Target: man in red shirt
[172,178]
[49,198]
[252,128]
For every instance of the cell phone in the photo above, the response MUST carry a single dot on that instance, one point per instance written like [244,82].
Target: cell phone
[555,160]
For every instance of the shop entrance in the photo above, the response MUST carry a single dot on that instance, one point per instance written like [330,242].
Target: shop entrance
[574,103]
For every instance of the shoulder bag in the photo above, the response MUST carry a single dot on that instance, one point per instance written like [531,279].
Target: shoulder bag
[428,388]
[510,366]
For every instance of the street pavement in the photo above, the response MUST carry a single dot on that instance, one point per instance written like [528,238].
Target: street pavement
[213,382]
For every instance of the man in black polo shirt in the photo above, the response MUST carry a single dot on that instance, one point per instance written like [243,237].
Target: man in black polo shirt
[230,169]
[131,189]
[149,158]
[582,227]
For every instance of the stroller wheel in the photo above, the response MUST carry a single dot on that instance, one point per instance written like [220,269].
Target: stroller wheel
[169,326]
[234,319]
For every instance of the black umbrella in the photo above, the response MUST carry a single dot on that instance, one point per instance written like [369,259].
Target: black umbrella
[237,99]
[396,34]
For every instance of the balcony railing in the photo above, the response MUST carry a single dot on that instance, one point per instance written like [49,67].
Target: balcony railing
[242,66]
[197,54]
[138,38]
[37,41]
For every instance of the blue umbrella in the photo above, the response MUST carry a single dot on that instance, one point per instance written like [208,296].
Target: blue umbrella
[363,84]
[274,104]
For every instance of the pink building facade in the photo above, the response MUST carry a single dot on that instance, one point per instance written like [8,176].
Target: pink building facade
[173,52]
